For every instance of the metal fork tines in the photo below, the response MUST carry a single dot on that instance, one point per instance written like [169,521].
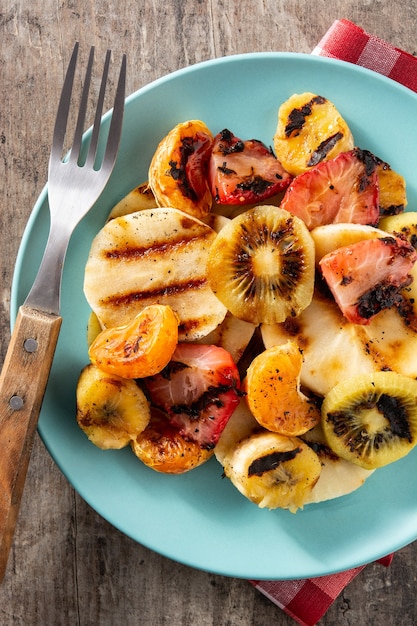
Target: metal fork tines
[75,182]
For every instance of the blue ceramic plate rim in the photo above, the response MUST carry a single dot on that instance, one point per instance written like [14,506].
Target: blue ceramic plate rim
[198,519]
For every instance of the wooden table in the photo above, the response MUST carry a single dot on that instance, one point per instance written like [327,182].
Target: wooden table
[68,566]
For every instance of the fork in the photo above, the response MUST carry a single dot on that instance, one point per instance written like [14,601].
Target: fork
[74,184]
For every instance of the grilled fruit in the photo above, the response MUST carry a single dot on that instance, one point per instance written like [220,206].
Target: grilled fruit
[138,199]
[112,411]
[240,426]
[261,265]
[274,471]
[372,420]
[93,328]
[198,390]
[329,237]
[155,256]
[141,348]
[405,226]
[338,477]
[310,130]
[273,391]
[232,334]
[366,277]
[340,190]
[243,172]
[392,190]
[335,350]
[161,447]
[179,167]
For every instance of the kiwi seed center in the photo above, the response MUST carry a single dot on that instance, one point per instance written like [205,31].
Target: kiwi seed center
[266,261]
[374,421]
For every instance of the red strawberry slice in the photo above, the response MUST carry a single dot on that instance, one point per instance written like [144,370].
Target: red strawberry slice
[342,190]
[198,390]
[243,172]
[366,277]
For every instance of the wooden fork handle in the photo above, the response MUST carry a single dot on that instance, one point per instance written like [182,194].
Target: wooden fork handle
[23,382]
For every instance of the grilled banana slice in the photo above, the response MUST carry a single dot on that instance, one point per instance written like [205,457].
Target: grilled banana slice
[310,130]
[155,256]
[178,170]
[274,471]
[111,410]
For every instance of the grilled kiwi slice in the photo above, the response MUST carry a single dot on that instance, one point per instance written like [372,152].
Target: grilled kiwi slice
[371,420]
[261,265]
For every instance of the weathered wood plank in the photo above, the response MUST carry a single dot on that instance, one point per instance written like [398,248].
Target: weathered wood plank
[68,566]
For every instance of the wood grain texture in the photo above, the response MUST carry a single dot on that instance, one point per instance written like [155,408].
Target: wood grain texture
[23,382]
[67,565]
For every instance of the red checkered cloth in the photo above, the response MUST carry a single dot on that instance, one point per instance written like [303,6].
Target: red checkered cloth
[348,42]
[306,601]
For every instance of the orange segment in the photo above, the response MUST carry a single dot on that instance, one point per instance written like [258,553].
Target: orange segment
[273,391]
[163,449]
[139,349]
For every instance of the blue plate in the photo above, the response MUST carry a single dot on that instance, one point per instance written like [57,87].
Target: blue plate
[200,519]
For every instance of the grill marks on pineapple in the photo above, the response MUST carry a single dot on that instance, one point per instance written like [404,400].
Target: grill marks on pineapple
[157,249]
[297,117]
[155,256]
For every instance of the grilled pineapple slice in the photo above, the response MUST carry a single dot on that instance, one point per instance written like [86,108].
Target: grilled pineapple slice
[335,349]
[392,190]
[240,426]
[338,477]
[232,334]
[138,199]
[112,411]
[155,256]
[404,225]
[332,347]
[310,130]
[330,237]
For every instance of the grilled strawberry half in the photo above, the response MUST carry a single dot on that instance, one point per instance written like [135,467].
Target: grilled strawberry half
[366,277]
[199,390]
[342,190]
[243,172]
